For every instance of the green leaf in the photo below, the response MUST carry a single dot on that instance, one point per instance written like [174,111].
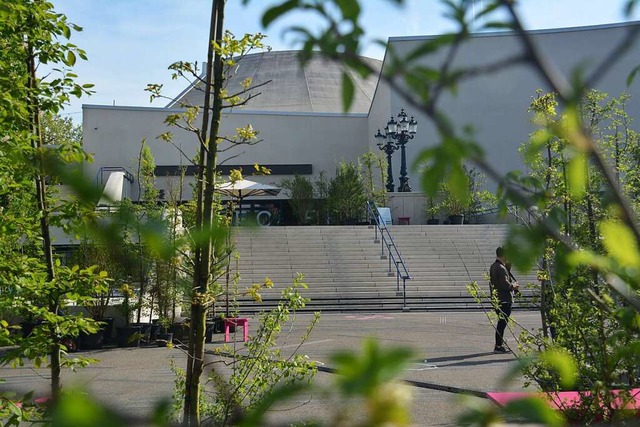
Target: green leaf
[525,245]
[577,172]
[629,7]
[80,410]
[620,243]
[563,363]
[585,257]
[71,58]
[277,11]
[348,90]
[539,139]
[534,410]
[498,25]
[66,31]
[361,374]
[431,46]
[433,171]
[632,75]
[490,8]
[350,9]
[458,184]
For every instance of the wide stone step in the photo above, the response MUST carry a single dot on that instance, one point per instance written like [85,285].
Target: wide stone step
[373,305]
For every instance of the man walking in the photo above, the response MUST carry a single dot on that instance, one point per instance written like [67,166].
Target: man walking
[503,286]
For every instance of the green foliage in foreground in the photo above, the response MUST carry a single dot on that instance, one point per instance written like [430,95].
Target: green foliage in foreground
[365,386]
[584,320]
[586,237]
[592,247]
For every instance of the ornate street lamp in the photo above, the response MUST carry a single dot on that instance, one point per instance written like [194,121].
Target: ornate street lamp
[386,144]
[401,131]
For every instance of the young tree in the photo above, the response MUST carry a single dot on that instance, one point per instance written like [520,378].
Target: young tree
[372,163]
[147,211]
[301,196]
[171,272]
[346,196]
[39,287]
[572,323]
[209,253]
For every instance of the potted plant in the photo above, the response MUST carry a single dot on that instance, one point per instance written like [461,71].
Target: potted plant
[215,326]
[128,335]
[455,208]
[433,209]
[164,339]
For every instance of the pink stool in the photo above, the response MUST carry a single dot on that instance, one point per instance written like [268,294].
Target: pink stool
[236,321]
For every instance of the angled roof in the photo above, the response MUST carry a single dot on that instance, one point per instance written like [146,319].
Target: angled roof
[316,88]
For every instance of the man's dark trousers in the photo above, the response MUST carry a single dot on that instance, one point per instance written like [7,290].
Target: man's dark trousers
[503,317]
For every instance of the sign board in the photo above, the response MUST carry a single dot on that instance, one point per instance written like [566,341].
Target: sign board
[384,215]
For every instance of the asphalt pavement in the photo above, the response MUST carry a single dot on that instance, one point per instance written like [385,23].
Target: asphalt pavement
[453,365]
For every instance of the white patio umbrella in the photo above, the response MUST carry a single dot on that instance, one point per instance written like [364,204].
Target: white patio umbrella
[246,188]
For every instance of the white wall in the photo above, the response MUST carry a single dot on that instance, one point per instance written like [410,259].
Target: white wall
[113,136]
[319,139]
[409,205]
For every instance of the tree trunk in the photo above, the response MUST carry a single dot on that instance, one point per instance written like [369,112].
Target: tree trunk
[41,200]
[204,221]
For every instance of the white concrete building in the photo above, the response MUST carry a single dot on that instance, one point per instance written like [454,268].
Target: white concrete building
[300,120]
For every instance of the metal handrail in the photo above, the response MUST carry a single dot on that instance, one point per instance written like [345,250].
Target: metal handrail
[392,250]
[512,209]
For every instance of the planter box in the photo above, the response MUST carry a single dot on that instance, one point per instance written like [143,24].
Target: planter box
[456,219]
[107,329]
[214,327]
[180,332]
[129,336]
[93,341]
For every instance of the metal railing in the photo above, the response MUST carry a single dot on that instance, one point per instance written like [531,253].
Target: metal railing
[395,259]
[521,216]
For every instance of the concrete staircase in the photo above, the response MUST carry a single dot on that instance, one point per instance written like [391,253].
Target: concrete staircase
[344,270]
[444,259]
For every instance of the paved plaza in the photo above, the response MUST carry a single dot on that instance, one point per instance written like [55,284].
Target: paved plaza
[453,353]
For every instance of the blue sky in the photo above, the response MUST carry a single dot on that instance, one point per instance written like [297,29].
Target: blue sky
[131,42]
